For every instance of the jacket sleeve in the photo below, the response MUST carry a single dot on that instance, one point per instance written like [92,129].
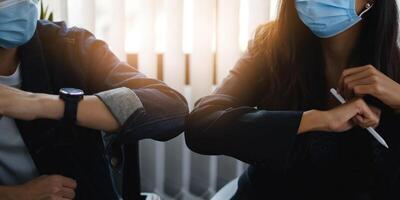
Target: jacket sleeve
[388,128]
[227,122]
[144,107]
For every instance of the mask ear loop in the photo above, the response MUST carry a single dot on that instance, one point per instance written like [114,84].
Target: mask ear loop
[368,7]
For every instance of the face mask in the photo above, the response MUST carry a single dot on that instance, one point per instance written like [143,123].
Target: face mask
[18,19]
[328,18]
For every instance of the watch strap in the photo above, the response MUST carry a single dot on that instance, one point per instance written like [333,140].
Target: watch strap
[71,109]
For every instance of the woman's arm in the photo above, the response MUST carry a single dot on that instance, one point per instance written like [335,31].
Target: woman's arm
[313,120]
[228,123]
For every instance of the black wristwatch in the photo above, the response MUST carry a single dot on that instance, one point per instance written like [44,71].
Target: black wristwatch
[71,97]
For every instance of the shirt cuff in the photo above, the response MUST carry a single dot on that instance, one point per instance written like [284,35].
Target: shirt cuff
[122,103]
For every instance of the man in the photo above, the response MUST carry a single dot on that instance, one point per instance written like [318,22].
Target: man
[60,91]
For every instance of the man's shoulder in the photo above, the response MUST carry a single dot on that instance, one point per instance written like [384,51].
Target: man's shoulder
[49,32]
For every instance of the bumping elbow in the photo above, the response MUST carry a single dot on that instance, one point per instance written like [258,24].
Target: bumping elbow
[197,137]
[192,141]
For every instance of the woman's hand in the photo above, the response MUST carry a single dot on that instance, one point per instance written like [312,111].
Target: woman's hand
[367,80]
[341,118]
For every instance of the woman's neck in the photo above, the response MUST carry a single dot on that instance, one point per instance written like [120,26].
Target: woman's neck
[338,49]
[8,61]
[337,52]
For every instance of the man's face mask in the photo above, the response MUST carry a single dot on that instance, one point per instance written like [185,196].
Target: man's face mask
[18,19]
[328,18]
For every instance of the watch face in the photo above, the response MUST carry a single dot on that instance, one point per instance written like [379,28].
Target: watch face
[72,92]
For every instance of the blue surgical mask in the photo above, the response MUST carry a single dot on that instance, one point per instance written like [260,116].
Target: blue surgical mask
[18,19]
[328,18]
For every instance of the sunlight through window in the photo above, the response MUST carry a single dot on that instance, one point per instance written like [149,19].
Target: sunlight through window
[133,32]
[160,27]
[244,25]
[188,26]
[274,9]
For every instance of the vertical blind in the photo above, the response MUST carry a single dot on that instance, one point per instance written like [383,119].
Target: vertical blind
[191,45]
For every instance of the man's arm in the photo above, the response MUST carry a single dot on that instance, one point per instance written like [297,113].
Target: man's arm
[92,112]
[120,98]
[8,193]
[155,111]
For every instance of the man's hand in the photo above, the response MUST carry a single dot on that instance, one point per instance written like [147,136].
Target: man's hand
[53,187]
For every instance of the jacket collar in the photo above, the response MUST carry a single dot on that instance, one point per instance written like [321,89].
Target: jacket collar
[35,77]
[37,134]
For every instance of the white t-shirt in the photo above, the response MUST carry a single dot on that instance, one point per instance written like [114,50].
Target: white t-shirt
[16,164]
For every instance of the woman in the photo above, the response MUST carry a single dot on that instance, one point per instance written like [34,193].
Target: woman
[274,111]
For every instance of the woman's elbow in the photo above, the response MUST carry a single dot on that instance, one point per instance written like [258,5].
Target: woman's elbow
[197,137]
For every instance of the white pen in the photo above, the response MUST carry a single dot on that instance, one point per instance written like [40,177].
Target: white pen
[369,129]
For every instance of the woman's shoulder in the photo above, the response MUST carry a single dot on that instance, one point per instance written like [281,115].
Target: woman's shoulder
[262,39]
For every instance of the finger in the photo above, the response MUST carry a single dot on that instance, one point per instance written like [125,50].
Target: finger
[368,124]
[365,123]
[376,110]
[365,81]
[355,70]
[67,193]
[340,85]
[351,71]
[366,90]
[361,122]
[369,117]
[68,182]
[356,121]
[347,93]
[61,198]
[54,197]
[359,119]
[357,76]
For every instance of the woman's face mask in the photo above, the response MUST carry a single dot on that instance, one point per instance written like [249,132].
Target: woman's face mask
[18,19]
[328,18]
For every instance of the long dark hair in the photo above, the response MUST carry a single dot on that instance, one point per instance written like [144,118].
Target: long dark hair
[295,63]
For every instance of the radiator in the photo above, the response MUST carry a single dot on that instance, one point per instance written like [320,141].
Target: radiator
[213,33]
[174,172]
